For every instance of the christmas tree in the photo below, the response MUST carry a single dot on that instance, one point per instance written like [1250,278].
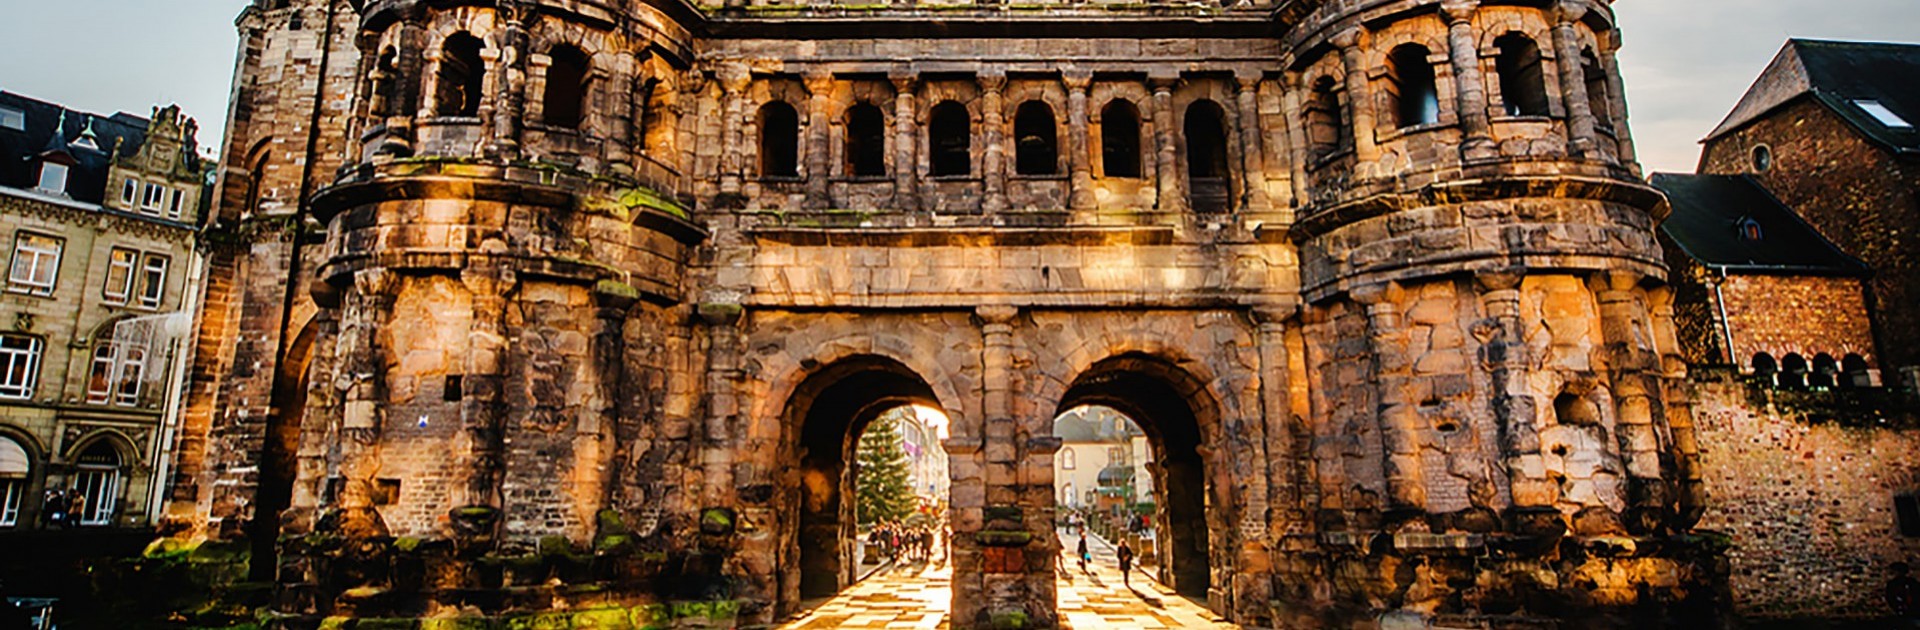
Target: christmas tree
[884,492]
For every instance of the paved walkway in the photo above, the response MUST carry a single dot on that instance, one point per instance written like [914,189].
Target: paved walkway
[918,596]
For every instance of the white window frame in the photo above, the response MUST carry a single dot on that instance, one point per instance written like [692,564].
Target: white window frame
[19,365]
[129,191]
[31,263]
[101,486]
[122,269]
[176,199]
[14,119]
[100,375]
[153,279]
[1883,114]
[10,492]
[153,198]
[53,178]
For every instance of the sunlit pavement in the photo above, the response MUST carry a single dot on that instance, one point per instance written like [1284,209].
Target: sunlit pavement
[917,596]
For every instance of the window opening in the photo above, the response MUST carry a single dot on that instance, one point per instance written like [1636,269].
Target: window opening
[1750,230]
[14,469]
[1762,159]
[173,206]
[1882,114]
[98,483]
[1597,97]
[1523,86]
[779,140]
[19,365]
[866,141]
[1120,139]
[1206,136]
[1326,123]
[1411,82]
[14,119]
[565,102]
[150,202]
[1036,149]
[53,178]
[950,138]
[461,76]
[128,190]
[120,264]
[1825,371]
[153,280]
[36,264]
[1793,371]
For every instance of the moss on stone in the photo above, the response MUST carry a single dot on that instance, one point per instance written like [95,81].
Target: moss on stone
[386,624]
[406,543]
[1010,620]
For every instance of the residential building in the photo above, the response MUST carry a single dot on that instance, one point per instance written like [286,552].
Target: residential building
[1102,460]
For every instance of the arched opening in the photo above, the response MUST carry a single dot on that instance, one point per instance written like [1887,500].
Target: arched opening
[1326,124]
[1572,409]
[1036,148]
[96,482]
[565,102]
[1152,395]
[1764,365]
[1826,371]
[949,140]
[834,409]
[1597,97]
[1411,85]
[866,141]
[15,468]
[779,140]
[1793,371]
[385,75]
[457,87]
[1854,371]
[1523,86]
[1120,139]
[278,459]
[1207,174]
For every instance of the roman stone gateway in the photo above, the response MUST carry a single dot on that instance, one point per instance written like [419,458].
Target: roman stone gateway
[576,308]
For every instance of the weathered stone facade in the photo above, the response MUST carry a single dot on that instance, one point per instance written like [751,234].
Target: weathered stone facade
[608,289]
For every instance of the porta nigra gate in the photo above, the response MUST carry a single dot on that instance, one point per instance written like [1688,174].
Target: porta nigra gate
[580,306]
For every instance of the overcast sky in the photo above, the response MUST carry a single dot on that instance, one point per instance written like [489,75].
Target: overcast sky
[1686,61]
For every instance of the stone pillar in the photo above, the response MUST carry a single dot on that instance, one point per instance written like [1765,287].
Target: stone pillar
[1252,154]
[1573,83]
[906,164]
[619,145]
[819,169]
[1469,82]
[1359,97]
[1016,563]
[993,157]
[362,378]
[1079,143]
[1167,158]
[1297,158]
[724,339]
[1617,99]
[1401,433]
[1689,478]
[510,83]
[734,78]
[1633,365]
[482,411]
[639,95]
[1286,439]
[1507,358]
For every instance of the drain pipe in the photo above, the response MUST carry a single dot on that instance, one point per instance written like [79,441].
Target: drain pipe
[1726,328]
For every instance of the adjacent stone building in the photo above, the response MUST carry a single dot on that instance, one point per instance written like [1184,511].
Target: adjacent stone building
[100,214]
[574,309]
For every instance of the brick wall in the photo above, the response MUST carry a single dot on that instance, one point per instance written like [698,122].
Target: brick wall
[1808,315]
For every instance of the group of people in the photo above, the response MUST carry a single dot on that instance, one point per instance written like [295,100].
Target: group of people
[63,508]
[1122,552]
[912,543]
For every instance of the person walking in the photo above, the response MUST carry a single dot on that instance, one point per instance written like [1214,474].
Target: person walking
[1903,594]
[1084,554]
[1126,561]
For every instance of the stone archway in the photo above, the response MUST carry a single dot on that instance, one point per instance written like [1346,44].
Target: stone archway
[826,414]
[280,447]
[1172,407]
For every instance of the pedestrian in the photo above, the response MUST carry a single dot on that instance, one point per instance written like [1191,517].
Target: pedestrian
[76,507]
[1126,560]
[1903,594]
[54,509]
[1084,554]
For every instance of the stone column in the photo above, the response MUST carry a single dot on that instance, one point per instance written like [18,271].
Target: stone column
[1167,158]
[1573,83]
[1617,99]
[819,171]
[993,157]
[734,78]
[1296,129]
[906,164]
[1633,370]
[619,145]
[1689,478]
[482,412]
[1079,143]
[1505,355]
[1252,152]
[723,370]
[510,83]
[1015,559]
[1359,97]
[1469,82]
[1285,438]
[362,380]
[1401,433]
[639,96]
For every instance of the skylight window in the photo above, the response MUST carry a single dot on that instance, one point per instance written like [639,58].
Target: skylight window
[1881,113]
[14,119]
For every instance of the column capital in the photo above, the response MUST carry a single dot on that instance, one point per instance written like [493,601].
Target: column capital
[1275,315]
[997,313]
[1566,12]
[818,81]
[903,78]
[1500,280]
[1163,83]
[1458,12]
[734,77]
[991,80]
[1377,295]
[1247,80]
[1346,40]
[1077,79]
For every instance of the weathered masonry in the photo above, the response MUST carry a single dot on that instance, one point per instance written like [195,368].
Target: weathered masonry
[579,305]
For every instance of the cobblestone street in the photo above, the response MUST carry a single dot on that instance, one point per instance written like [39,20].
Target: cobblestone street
[916,596]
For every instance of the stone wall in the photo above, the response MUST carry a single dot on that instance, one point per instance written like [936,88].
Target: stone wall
[1804,488]
[1802,315]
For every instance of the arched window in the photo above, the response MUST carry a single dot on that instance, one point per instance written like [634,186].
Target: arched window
[950,140]
[1597,97]
[1853,371]
[1120,139]
[1764,365]
[1793,371]
[565,102]
[656,135]
[866,141]
[15,467]
[1574,410]
[1825,369]
[457,91]
[1206,135]
[97,483]
[1411,84]
[779,140]
[1069,460]
[1326,123]
[1523,87]
[1036,148]
[1750,230]
[385,80]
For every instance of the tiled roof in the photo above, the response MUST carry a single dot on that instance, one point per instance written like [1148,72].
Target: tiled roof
[1862,82]
[20,149]
[1715,218]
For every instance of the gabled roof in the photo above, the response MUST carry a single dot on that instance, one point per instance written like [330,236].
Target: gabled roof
[1845,77]
[20,149]
[1711,221]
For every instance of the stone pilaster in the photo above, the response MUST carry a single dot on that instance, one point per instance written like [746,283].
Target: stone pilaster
[1252,154]
[1167,158]
[723,371]
[482,409]
[1637,397]
[993,157]
[1507,358]
[639,95]
[1573,82]
[1469,82]
[362,377]
[819,173]
[1079,144]
[1617,100]
[906,163]
[510,84]
[620,143]
[734,78]
[1286,439]
[1401,433]
[1366,149]
[1296,130]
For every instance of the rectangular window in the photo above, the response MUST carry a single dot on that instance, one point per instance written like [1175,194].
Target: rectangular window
[153,281]
[120,264]
[14,119]
[152,199]
[19,365]
[36,264]
[118,374]
[127,190]
[173,206]
[1880,112]
[10,491]
[53,178]
[100,376]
